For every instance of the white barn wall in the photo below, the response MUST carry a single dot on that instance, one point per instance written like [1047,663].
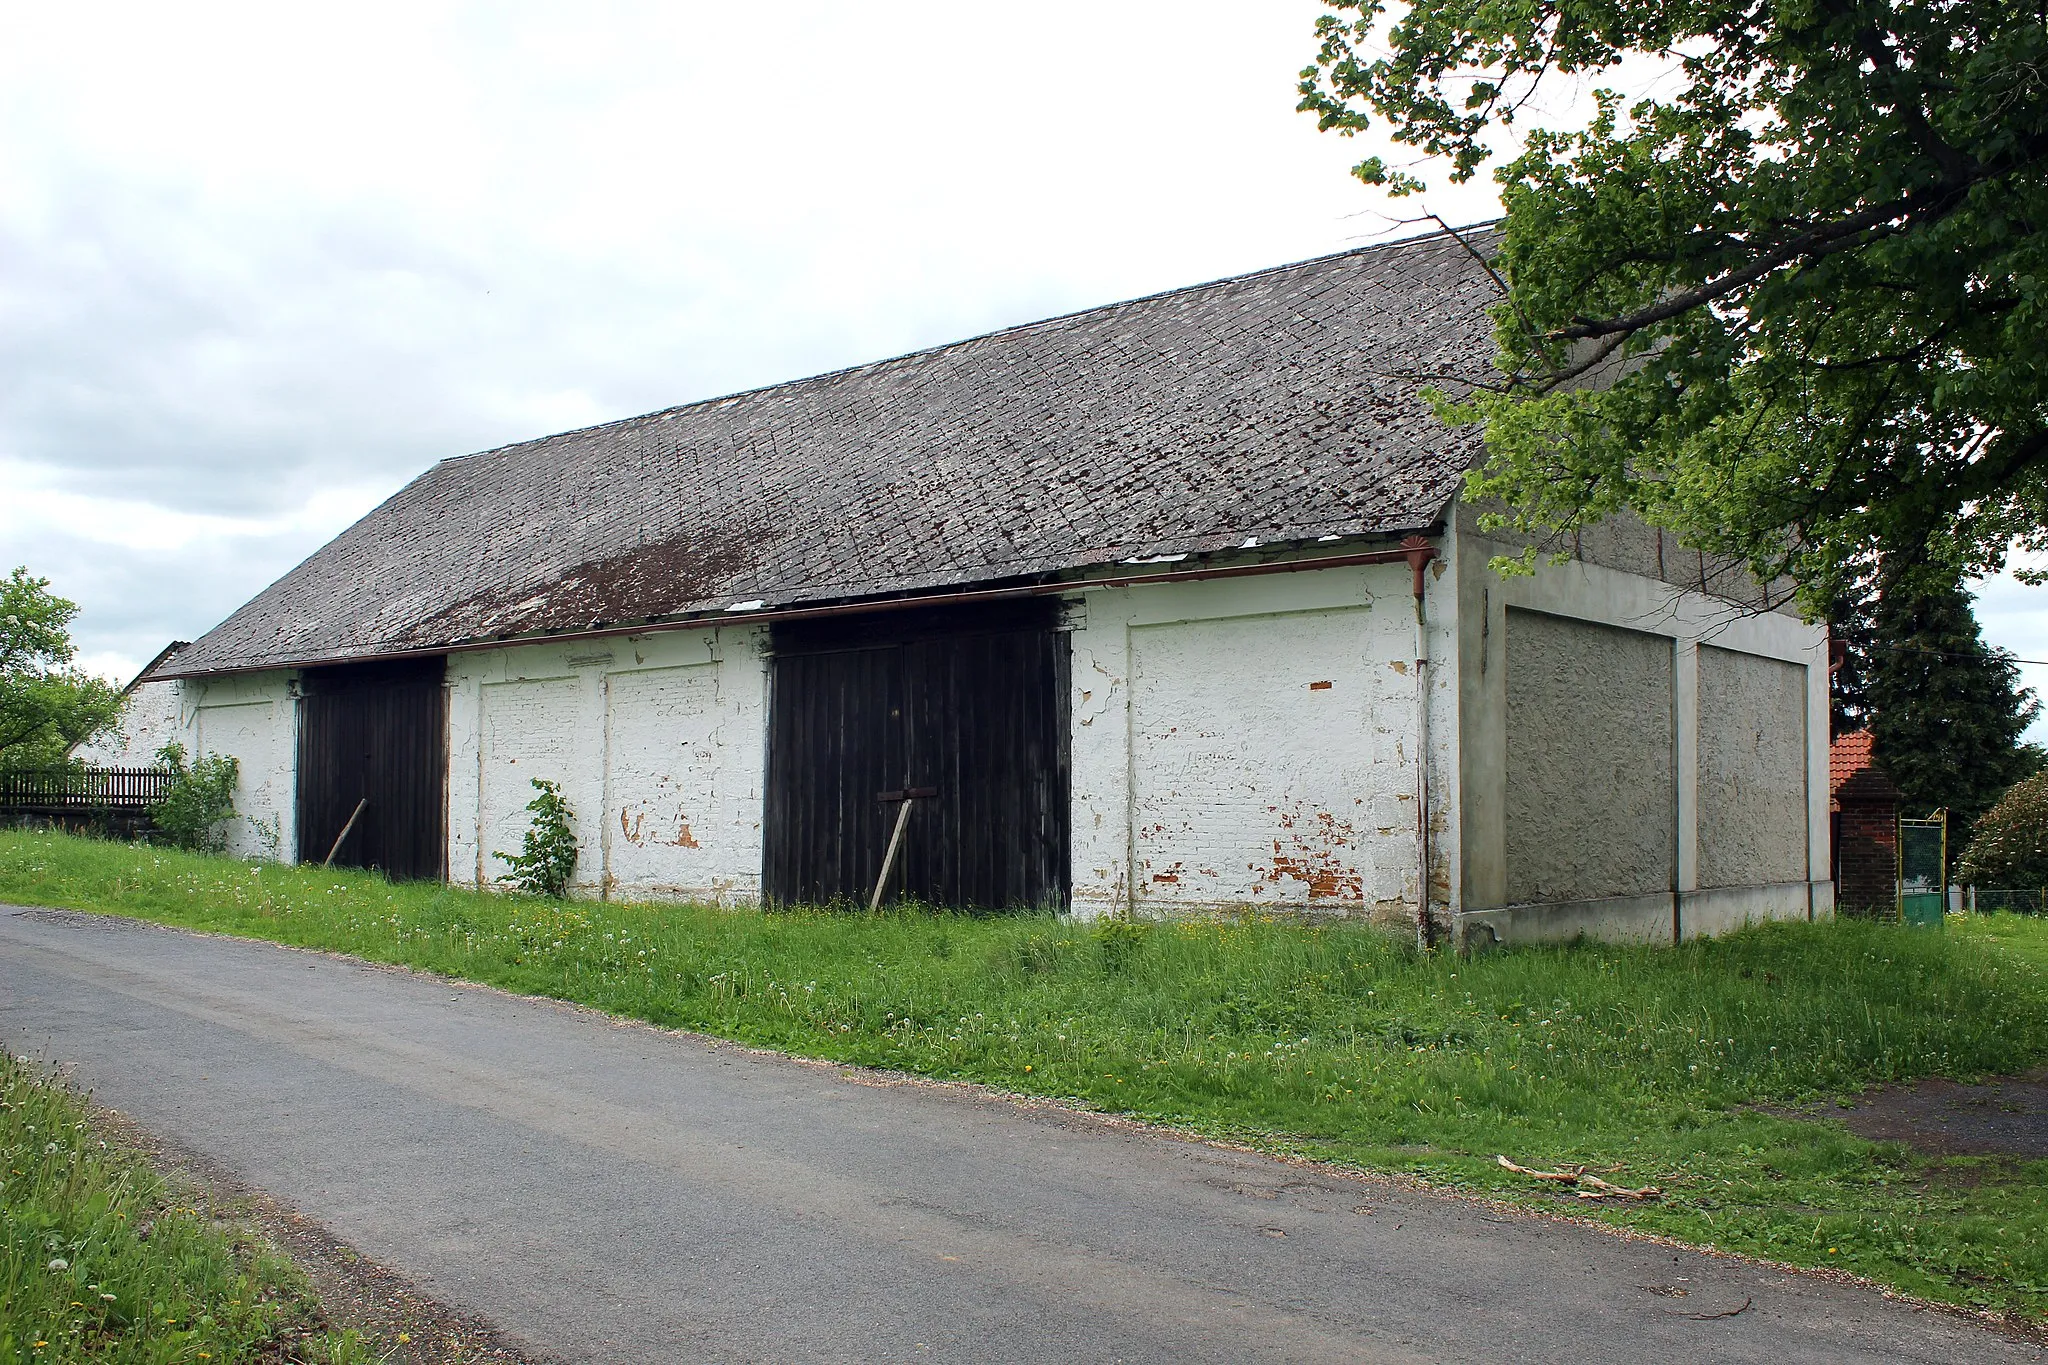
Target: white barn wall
[150,718]
[658,742]
[252,716]
[1250,742]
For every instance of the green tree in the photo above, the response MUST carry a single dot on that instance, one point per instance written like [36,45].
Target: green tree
[1853,635]
[1948,711]
[46,704]
[1810,269]
[2009,847]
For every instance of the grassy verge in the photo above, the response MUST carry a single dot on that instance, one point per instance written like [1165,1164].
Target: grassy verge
[100,1260]
[1657,1065]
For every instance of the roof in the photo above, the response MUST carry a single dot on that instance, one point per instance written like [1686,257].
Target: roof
[1854,772]
[1282,405]
[159,665]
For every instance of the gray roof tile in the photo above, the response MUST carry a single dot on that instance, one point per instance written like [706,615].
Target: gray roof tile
[1264,405]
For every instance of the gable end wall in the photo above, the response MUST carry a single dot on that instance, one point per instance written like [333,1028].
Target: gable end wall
[1563,831]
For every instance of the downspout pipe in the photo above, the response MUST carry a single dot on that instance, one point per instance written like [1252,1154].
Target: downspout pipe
[1419,553]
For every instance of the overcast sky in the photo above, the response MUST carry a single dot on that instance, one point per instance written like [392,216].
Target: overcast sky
[262,264]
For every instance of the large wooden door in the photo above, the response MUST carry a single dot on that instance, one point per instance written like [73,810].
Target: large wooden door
[967,705]
[375,734]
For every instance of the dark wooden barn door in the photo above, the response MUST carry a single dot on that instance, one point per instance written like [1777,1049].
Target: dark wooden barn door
[969,705]
[375,733]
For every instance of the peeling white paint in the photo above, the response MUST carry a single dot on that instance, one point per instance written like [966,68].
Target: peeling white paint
[661,759]
[251,716]
[1238,742]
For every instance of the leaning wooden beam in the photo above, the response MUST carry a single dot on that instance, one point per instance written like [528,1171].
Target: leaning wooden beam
[329,859]
[889,858]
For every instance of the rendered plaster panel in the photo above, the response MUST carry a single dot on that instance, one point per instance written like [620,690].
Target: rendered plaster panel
[531,731]
[1752,770]
[1587,591]
[1269,762]
[1590,774]
[253,718]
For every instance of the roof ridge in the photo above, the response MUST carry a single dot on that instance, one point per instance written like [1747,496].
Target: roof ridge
[1015,329]
[1250,409]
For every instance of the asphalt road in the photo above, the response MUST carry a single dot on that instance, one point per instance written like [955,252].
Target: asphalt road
[609,1192]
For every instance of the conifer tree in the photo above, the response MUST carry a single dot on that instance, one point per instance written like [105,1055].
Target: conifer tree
[1853,636]
[1949,711]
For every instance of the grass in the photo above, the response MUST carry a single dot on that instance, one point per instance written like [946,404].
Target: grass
[101,1260]
[1671,1067]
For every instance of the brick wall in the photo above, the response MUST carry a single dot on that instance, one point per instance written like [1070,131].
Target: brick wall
[1866,858]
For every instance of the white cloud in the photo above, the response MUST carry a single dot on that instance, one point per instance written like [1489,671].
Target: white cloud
[266,263]
[116,522]
[2015,617]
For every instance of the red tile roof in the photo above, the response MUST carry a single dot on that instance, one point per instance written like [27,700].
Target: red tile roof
[1851,757]
[1848,755]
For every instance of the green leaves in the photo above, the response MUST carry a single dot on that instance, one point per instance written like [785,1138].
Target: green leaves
[199,801]
[2009,847]
[1948,711]
[46,705]
[1787,304]
[547,856]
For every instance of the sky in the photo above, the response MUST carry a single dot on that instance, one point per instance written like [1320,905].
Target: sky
[260,265]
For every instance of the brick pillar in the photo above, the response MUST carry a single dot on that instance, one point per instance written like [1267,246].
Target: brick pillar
[1867,858]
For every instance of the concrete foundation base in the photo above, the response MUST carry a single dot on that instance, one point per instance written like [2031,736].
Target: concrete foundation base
[1724,909]
[1665,917]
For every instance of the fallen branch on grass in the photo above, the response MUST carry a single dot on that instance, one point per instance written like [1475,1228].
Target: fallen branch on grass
[1585,1186]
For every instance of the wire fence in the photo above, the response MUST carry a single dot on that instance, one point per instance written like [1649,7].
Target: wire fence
[2026,900]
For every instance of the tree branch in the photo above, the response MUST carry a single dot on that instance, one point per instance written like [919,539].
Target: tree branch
[1811,245]
[1956,165]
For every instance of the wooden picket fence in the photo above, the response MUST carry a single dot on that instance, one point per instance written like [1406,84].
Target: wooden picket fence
[66,791]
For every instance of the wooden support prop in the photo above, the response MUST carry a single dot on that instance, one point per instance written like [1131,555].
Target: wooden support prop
[908,796]
[328,861]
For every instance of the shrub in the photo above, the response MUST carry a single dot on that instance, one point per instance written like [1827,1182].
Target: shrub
[201,799]
[2009,846]
[547,857]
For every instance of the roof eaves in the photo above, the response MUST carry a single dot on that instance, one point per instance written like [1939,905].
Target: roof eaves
[1303,554]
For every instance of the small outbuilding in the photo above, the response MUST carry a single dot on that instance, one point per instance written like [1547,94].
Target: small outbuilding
[1167,606]
[1864,806]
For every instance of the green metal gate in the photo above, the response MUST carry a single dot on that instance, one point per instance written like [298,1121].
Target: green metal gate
[1923,869]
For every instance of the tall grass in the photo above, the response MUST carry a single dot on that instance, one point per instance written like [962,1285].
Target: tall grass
[100,1262]
[1333,1040]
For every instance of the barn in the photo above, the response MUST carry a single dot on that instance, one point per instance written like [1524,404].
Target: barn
[1168,606]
